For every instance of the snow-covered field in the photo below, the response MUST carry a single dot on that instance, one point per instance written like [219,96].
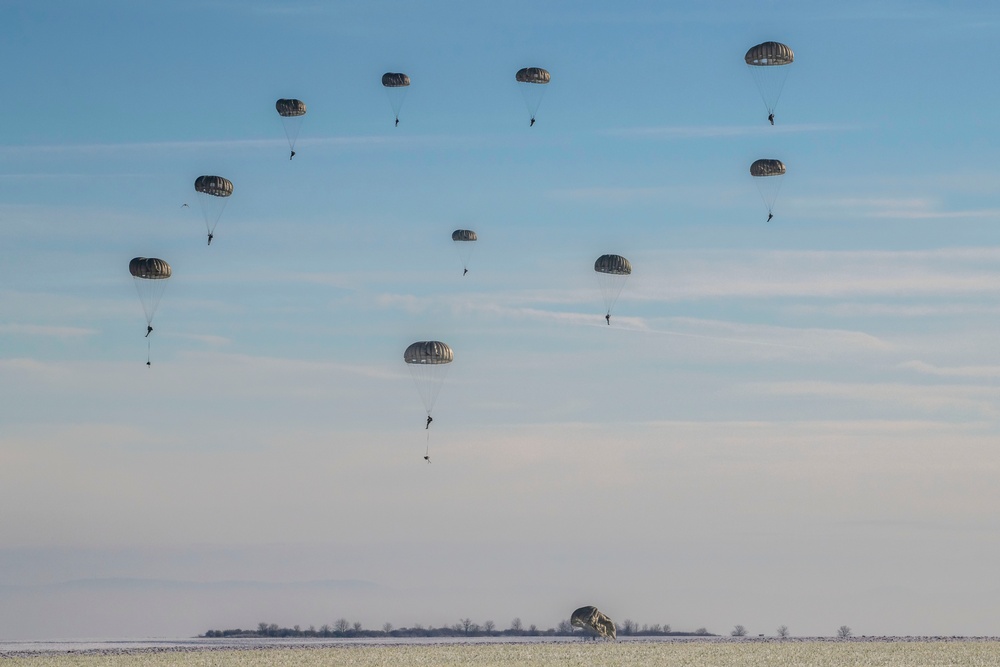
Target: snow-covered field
[882,652]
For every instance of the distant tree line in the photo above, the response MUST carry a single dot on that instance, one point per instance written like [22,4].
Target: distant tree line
[343,628]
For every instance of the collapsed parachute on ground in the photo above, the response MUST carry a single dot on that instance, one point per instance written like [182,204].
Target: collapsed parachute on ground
[767,62]
[612,273]
[532,82]
[291,112]
[213,194]
[396,84]
[590,618]
[464,242]
[768,174]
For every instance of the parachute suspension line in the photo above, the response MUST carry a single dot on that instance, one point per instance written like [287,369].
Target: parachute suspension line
[149,345]
[769,195]
[770,83]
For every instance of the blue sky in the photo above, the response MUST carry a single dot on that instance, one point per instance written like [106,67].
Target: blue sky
[791,422]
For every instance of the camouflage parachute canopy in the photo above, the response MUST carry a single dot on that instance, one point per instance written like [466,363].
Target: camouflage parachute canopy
[613,264]
[533,75]
[769,53]
[395,80]
[589,617]
[149,268]
[767,167]
[217,186]
[290,108]
[463,235]
[428,352]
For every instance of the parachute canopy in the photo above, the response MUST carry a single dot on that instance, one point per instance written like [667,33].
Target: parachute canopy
[149,275]
[463,235]
[428,363]
[214,192]
[290,108]
[767,167]
[613,264]
[527,78]
[768,174]
[428,352]
[396,84]
[592,619]
[291,112]
[765,62]
[149,268]
[217,186]
[612,272]
[533,75]
[769,54]
[395,80]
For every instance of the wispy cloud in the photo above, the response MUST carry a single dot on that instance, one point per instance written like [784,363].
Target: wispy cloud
[952,371]
[674,132]
[948,309]
[204,338]
[697,275]
[614,195]
[961,399]
[808,338]
[897,208]
[812,340]
[44,330]
[145,148]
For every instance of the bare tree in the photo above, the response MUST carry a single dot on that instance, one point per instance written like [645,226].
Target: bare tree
[356,627]
[843,632]
[516,626]
[341,626]
[739,631]
[701,631]
[532,629]
[387,628]
[666,628]
[783,631]
[489,627]
[628,627]
[564,628]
